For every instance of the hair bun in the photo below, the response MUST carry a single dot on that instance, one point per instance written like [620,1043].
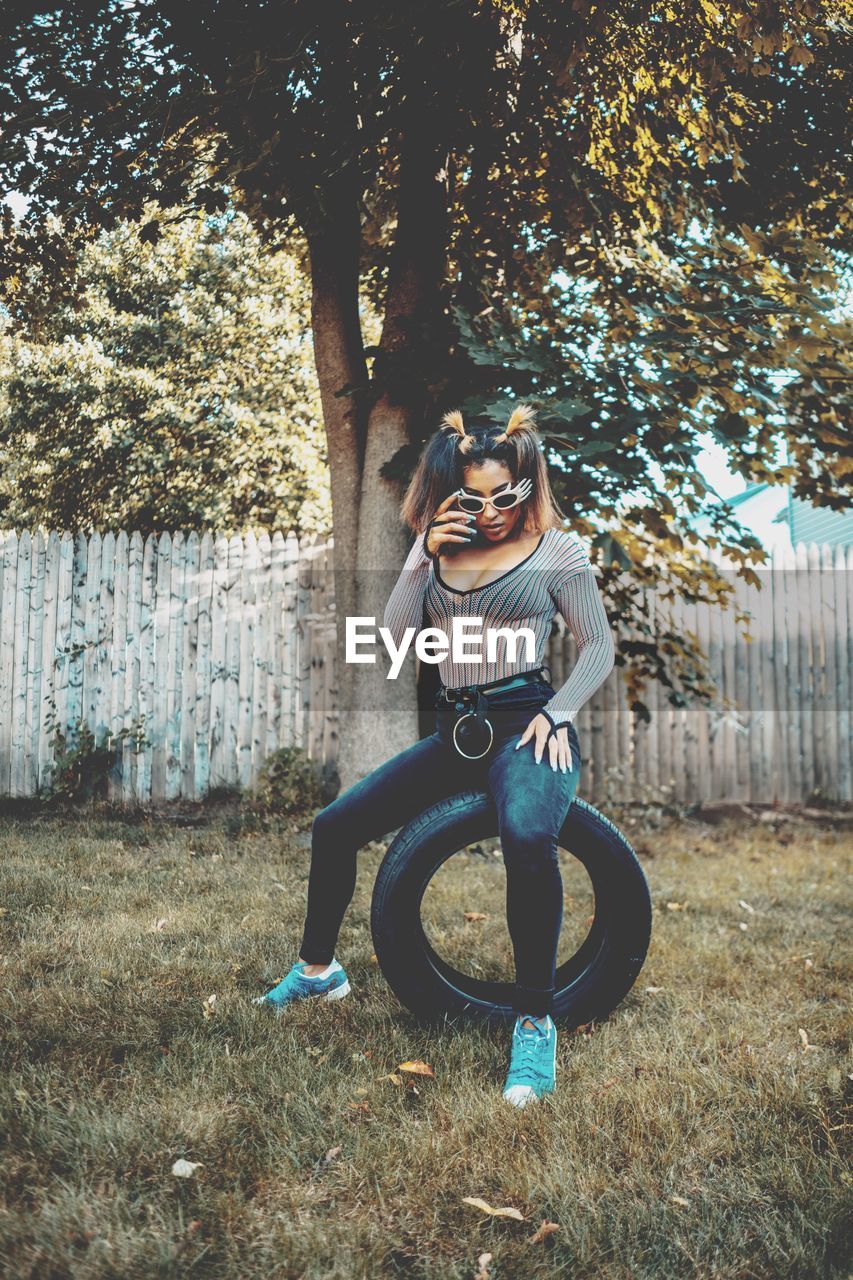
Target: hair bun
[452,421]
[523,416]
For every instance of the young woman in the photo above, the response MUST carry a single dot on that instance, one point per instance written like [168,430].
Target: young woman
[490,544]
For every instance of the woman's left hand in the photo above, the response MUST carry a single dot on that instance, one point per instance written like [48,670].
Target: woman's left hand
[559,751]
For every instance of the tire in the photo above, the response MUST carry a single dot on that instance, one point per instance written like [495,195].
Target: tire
[589,985]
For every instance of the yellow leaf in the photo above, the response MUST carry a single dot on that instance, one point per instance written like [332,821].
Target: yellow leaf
[679,1200]
[495,1213]
[417,1068]
[546,1229]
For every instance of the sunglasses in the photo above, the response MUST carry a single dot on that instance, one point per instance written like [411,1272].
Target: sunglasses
[501,501]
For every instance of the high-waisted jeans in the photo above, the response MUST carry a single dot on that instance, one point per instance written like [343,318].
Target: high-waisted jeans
[532,801]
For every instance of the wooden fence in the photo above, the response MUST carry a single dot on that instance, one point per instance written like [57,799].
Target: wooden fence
[221,649]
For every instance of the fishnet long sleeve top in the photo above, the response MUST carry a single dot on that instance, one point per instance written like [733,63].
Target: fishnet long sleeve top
[557,576]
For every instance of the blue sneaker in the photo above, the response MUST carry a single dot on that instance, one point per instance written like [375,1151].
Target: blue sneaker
[533,1061]
[295,986]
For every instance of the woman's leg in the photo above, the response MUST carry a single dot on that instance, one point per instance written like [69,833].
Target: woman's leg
[385,799]
[532,802]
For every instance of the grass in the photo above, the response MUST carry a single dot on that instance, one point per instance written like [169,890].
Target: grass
[691,1134]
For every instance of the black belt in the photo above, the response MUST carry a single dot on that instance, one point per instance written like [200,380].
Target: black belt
[473,696]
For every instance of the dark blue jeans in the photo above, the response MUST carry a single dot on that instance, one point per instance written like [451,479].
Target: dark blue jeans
[532,801]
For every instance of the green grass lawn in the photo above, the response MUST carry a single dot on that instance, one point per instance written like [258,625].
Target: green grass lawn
[699,1131]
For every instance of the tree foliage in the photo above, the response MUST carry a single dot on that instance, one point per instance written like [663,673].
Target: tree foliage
[165,386]
[634,215]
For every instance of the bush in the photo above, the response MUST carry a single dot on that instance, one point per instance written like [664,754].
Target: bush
[289,783]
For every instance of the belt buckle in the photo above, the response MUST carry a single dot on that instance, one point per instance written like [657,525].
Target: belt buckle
[462,694]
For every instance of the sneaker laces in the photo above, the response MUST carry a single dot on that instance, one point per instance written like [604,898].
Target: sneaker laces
[530,1040]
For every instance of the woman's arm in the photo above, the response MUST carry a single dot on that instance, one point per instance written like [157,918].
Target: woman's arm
[576,595]
[406,602]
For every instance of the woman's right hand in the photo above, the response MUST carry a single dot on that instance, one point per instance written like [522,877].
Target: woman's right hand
[449,524]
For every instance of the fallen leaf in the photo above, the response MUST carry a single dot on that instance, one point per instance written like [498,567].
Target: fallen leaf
[417,1068]
[679,1200]
[209,1007]
[483,1272]
[393,1077]
[193,1228]
[654,990]
[475,915]
[746,906]
[185,1168]
[805,1039]
[546,1229]
[676,906]
[364,1105]
[329,1156]
[496,1213]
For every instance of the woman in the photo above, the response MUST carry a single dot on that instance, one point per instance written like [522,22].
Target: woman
[490,545]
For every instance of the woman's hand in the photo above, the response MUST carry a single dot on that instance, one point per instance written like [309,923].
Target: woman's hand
[559,751]
[448,526]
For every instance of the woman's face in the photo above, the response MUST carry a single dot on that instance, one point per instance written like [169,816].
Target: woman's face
[484,481]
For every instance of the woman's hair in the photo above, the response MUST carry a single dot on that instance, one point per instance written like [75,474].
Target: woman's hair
[441,467]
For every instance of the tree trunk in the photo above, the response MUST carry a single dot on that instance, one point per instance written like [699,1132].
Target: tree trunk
[378,715]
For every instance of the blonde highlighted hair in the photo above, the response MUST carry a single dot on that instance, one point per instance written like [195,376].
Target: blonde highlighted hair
[441,467]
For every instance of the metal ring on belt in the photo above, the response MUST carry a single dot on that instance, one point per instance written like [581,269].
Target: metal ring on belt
[464,754]
[465,695]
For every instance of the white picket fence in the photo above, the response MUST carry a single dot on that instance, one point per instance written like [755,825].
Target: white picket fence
[205,642]
[222,649]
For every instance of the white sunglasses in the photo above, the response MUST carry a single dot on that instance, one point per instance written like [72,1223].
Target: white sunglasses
[501,501]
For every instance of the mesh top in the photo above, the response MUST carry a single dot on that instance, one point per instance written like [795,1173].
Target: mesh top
[557,576]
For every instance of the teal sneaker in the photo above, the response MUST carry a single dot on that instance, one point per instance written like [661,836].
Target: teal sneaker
[295,986]
[533,1060]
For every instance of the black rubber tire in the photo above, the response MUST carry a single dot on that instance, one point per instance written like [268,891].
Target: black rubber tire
[589,985]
